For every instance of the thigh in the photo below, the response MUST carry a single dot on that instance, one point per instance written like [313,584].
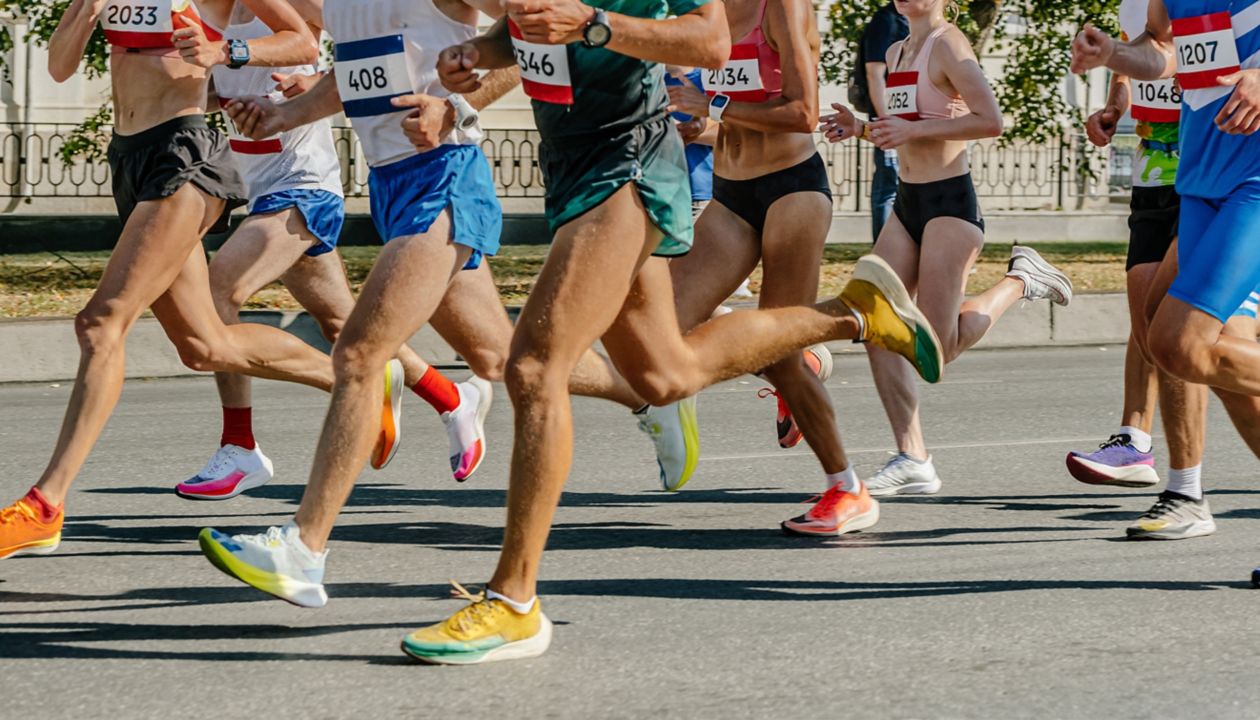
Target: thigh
[725,251]
[1139,281]
[1163,280]
[791,248]
[261,250]
[950,249]
[472,317]
[900,251]
[646,336]
[319,284]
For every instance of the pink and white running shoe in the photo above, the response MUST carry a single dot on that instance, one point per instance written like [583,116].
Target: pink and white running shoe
[465,426]
[230,471]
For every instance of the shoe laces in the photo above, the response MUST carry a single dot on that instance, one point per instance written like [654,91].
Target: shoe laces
[459,592]
[1164,504]
[649,426]
[893,463]
[218,463]
[825,504]
[16,511]
[1117,440]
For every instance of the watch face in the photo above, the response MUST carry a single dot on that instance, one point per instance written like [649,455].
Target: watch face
[598,35]
[720,101]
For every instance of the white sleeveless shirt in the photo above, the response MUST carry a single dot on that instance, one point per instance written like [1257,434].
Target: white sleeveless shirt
[304,158]
[386,48]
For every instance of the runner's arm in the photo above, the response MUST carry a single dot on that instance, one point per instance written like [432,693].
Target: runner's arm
[259,117]
[1149,56]
[876,83]
[1100,127]
[292,43]
[494,85]
[70,39]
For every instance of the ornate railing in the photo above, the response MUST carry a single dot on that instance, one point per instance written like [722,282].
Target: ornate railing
[1016,176]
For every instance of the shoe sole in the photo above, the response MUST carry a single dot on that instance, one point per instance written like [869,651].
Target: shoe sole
[249,482]
[483,409]
[826,362]
[917,488]
[856,523]
[1061,282]
[1198,528]
[1092,473]
[391,416]
[519,650]
[691,442]
[39,547]
[876,271]
[270,584]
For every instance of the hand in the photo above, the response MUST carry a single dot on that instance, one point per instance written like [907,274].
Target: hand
[256,117]
[295,84]
[692,129]
[549,22]
[687,98]
[455,68]
[892,132]
[195,47]
[430,120]
[1101,126]
[840,126]
[1241,114]
[1091,49]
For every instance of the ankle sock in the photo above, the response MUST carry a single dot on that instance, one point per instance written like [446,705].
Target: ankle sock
[47,511]
[437,390]
[1138,437]
[847,479]
[238,428]
[521,608]
[1188,482]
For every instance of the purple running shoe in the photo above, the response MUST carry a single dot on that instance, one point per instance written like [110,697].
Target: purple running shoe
[1116,462]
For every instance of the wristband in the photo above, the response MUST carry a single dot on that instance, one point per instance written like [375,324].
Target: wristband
[866,132]
[465,115]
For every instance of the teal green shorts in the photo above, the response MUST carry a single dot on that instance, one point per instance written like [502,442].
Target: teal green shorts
[580,174]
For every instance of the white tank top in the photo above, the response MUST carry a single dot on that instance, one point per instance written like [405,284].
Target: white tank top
[386,48]
[300,159]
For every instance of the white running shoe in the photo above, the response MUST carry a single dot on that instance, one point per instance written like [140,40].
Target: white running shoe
[391,416]
[675,431]
[1042,281]
[743,292]
[465,426]
[230,471]
[276,562]
[903,475]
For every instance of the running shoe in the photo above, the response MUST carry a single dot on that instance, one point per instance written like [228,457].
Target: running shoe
[391,416]
[903,475]
[24,531]
[743,292]
[837,512]
[275,562]
[465,426]
[676,434]
[485,630]
[1173,517]
[1115,462]
[820,362]
[1042,281]
[890,319]
[230,471]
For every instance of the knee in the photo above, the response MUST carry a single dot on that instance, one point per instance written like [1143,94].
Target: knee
[487,364]
[200,355]
[787,371]
[100,329]
[331,328]
[356,362]
[228,298]
[663,386]
[1183,356]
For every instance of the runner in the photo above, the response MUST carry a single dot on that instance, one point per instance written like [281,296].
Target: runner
[772,204]
[614,171]
[1207,44]
[296,212]
[1126,459]
[172,181]
[937,100]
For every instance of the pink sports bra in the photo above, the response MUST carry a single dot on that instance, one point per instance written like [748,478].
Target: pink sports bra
[753,73]
[911,95]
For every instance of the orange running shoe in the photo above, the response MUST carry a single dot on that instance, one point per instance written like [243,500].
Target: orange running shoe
[837,512]
[23,531]
[818,360]
[391,417]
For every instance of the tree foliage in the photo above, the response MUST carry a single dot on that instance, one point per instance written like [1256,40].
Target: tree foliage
[41,18]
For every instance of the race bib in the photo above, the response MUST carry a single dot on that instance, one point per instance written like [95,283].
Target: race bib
[740,77]
[901,95]
[244,145]
[1206,50]
[139,23]
[1156,101]
[371,72]
[544,69]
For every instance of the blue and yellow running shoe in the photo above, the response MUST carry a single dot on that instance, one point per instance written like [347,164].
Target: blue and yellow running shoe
[276,562]
[486,630]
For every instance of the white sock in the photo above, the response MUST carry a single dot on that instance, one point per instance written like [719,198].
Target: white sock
[847,479]
[520,607]
[1139,437]
[1188,482]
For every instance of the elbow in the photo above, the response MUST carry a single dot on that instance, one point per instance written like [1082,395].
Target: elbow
[310,50]
[60,73]
[804,118]
[992,127]
[717,51]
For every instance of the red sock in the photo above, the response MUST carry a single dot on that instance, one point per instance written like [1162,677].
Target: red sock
[437,390]
[238,428]
[47,511]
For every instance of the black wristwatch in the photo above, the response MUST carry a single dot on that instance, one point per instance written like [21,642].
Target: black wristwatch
[238,53]
[597,32]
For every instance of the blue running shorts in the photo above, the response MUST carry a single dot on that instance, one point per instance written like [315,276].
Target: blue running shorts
[1249,306]
[323,211]
[408,196]
[1219,251]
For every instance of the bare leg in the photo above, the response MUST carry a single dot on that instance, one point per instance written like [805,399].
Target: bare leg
[1244,410]
[1140,388]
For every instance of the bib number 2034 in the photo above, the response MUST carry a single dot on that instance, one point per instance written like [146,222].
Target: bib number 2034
[727,76]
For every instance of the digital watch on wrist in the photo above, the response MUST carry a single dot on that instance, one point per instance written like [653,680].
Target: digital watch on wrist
[465,114]
[238,53]
[717,106]
[597,32]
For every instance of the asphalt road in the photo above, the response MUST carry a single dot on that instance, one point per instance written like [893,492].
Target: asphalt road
[1008,595]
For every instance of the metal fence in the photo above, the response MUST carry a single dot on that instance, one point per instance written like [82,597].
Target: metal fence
[1067,173]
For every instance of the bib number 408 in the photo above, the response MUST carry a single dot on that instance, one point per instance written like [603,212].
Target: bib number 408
[366,79]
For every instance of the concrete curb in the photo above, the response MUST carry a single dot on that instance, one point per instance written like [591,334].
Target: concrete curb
[46,350]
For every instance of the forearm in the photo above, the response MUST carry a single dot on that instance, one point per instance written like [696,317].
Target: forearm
[1118,94]
[967,127]
[321,101]
[69,40]
[698,39]
[877,84]
[494,85]
[709,136]
[1144,59]
[778,115]
[494,49]
[283,49]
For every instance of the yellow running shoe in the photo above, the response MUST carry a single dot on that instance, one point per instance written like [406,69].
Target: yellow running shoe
[484,631]
[890,318]
[24,531]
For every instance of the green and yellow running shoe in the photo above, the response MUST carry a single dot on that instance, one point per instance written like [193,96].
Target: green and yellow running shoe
[890,318]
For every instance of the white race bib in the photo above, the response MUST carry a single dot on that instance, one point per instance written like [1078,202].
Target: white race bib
[740,77]
[138,23]
[901,95]
[1206,50]
[370,73]
[544,69]
[1156,101]
[247,146]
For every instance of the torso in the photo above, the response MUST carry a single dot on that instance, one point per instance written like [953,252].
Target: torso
[1156,106]
[924,161]
[744,153]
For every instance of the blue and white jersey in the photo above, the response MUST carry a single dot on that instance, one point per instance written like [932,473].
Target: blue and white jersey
[1213,38]
[382,49]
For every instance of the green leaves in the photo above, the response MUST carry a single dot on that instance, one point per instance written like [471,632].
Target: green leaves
[41,17]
